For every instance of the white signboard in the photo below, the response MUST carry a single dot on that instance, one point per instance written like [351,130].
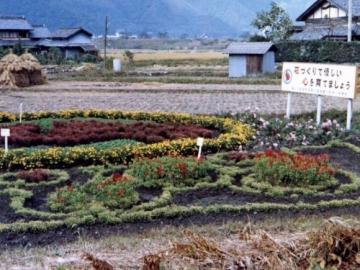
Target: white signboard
[200,142]
[320,79]
[5,132]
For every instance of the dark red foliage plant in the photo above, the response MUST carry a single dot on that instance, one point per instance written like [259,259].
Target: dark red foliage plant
[74,132]
[33,176]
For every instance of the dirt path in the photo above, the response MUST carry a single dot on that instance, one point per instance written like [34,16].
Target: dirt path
[118,86]
[181,98]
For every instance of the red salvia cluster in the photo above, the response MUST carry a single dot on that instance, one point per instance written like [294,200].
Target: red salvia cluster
[116,178]
[299,162]
[160,171]
[183,168]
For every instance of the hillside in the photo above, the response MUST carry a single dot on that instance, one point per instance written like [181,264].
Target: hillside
[192,17]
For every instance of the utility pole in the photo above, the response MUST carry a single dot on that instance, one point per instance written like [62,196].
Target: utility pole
[105,40]
[350,101]
[350,16]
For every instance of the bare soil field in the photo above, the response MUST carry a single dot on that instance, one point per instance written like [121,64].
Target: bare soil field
[183,98]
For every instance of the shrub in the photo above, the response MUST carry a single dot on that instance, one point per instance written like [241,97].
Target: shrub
[279,168]
[176,171]
[33,176]
[89,58]
[318,51]
[239,156]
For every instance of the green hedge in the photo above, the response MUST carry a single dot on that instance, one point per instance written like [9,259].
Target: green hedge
[319,51]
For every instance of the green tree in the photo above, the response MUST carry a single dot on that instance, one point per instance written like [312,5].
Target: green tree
[54,56]
[18,49]
[129,56]
[163,35]
[275,24]
[258,38]
[3,52]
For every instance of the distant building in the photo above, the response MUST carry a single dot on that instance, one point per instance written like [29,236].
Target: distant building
[14,28]
[251,58]
[327,20]
[133,37]
[40,32]
[73,42]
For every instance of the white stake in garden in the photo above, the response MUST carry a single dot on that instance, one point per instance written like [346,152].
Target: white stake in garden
[200,143]
[5,132]
[20,112]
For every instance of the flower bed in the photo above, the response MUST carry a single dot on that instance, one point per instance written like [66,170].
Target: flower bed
[274,133]
[232,135]
[114,192]
[70,133]
[279,168]
[164,189]
[173,171]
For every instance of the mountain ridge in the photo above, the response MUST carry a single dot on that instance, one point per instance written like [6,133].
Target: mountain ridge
[191,17]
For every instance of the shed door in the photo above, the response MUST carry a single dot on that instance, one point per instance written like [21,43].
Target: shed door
[237,66]
[254,64]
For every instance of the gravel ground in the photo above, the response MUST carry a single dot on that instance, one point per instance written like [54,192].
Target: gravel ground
[188,98]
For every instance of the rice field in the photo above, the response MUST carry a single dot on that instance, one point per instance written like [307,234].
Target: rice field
[148,55]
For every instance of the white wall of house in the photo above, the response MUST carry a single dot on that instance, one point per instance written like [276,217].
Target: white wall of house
[328,12]
[80,38]
[237,66]
[269,65]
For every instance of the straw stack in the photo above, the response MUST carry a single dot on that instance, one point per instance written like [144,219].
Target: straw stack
[33,68]
[21,71]
[30,62]
[9,65]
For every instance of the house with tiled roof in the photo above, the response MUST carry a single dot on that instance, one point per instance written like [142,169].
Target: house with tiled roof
[40,32]
[73,42]
[328,20]
[14,28]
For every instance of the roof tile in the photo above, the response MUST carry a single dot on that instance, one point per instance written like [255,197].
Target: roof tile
[249,47]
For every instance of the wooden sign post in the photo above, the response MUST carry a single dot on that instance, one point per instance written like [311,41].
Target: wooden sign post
[321,80]
[5,132]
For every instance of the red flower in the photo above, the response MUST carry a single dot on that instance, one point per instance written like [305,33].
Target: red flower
[120,192]
[183,168]
[160,171]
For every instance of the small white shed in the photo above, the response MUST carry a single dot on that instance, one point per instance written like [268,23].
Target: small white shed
[251,58]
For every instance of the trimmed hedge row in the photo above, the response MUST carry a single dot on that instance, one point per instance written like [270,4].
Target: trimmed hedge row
[319,51]
[233,134]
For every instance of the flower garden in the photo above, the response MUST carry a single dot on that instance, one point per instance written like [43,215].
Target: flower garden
[78,171]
